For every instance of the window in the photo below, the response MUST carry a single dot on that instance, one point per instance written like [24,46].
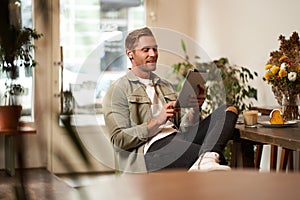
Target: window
[92,37]
[20,14]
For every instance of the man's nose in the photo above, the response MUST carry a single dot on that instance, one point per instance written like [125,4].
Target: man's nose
[152,52]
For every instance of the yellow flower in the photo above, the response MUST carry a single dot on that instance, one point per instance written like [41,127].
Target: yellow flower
[268,75]
[275,69]
[268,66]
[282,73]
[298,68]
[282,58]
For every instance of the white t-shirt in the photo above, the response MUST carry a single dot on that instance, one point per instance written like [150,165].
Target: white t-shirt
[156,107]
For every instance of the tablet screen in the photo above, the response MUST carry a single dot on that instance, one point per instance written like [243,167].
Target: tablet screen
[190,87]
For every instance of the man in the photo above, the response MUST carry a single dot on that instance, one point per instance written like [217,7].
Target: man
[148,133]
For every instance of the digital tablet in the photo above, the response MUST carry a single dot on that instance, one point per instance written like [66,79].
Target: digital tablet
[190,87]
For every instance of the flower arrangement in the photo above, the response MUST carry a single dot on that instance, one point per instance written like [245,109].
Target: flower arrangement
[283,67]
[283,71]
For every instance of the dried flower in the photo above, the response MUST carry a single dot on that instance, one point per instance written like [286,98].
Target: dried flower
[283,66]
[282,73]
[292,76]
[269,66]
[282,58]
[275,69]
[268,76]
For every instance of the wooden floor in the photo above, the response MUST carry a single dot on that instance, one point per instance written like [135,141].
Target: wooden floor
[40,184]
[33,184]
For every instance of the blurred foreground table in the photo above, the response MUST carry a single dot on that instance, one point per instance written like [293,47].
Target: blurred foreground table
[178,185]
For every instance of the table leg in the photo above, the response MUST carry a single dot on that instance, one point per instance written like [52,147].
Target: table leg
[242,154]
[291,161]
[10,154]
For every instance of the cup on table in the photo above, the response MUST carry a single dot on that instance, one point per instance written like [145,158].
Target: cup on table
[250,118]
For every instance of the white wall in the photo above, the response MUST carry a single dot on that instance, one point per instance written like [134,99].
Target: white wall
[246,32]
[243,31]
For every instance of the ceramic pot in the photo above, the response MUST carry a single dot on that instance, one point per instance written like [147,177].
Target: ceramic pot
[9,117]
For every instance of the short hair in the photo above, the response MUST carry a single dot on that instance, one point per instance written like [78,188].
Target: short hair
[133,37]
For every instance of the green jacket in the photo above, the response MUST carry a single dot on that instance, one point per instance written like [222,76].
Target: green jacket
[126,108]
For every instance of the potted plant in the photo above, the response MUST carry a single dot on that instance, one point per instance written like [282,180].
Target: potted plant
[235,81]
[13,94]
[15,53]
[15,44]
[15,49]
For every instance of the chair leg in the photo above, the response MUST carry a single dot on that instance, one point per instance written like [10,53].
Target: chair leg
[258,153]
[233,161]
[273,157]
[291,161]
[285,153]
[298,161]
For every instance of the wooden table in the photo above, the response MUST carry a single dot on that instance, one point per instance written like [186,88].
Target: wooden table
[10,146]
[178,185]
[286,137]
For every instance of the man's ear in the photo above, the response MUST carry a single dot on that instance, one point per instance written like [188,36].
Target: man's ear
[129,54]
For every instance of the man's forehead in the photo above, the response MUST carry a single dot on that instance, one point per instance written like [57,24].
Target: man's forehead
[146,41]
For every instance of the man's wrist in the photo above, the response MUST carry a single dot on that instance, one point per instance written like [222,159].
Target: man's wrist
[153,127]
[194,114]
[195,110]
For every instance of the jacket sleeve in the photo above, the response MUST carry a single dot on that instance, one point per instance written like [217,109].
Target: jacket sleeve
[123,134]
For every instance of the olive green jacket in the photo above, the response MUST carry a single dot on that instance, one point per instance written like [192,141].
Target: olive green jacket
[126,108]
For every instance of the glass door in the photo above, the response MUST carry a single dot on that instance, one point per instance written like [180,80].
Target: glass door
[92,56]
[92,39]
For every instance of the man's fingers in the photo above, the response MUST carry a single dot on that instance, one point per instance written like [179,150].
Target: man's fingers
[201,89]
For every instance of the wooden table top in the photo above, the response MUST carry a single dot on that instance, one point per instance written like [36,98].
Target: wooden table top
[179,185]
[288,137]
[24,128]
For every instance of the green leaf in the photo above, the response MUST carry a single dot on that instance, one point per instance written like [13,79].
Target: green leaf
[183,46]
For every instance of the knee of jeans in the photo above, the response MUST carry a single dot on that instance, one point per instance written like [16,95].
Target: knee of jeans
[232,109]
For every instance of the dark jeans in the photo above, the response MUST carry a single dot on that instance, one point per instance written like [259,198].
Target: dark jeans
[181,150]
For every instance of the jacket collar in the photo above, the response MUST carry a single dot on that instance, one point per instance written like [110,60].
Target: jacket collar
[132,77]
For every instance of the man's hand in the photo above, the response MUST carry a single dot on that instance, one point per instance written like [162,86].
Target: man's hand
[167,112]
[196,100]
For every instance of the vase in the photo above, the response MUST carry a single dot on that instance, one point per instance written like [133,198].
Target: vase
[290,106]
[278,94]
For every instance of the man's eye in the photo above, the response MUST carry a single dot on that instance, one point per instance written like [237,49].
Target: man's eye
[148,49]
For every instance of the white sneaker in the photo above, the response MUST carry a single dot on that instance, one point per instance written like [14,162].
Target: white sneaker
[208,161]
